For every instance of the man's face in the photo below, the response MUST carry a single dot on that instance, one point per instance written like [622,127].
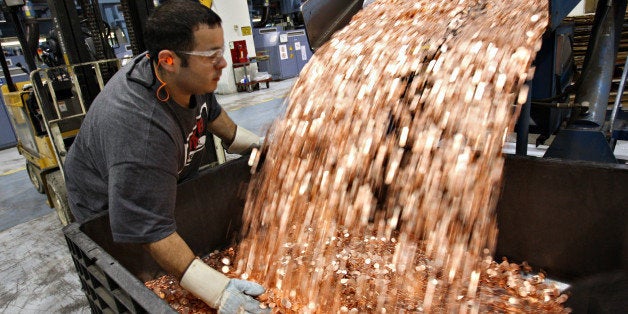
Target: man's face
[202,73]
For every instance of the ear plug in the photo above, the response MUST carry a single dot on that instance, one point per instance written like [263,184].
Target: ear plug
[168,60]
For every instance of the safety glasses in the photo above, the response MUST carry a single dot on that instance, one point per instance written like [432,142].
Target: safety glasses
[213,56]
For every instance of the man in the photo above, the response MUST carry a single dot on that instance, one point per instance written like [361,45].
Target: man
[145,132]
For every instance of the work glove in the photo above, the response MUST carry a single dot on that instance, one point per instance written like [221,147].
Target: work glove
[238,297]
[220,292]
[243,142]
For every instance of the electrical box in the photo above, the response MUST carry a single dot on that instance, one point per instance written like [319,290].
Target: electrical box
[302,52]
[239,53]
[274,42]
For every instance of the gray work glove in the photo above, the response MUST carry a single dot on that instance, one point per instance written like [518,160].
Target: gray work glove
[229,296]
[238,298]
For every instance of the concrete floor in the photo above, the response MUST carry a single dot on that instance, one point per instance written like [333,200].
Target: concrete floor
[35,264]
[36,267]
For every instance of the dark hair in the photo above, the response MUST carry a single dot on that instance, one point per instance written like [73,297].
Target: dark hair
[171,26]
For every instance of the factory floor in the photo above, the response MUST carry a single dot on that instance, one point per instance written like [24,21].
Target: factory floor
[35,265]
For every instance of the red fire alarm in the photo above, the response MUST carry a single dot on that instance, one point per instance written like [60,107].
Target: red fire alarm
[239,53]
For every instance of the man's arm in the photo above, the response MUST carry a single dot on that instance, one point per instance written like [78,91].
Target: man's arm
[172,254]
[236,139]
[223,127]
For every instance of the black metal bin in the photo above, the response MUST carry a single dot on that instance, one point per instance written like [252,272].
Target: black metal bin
[208,212]
[566,218]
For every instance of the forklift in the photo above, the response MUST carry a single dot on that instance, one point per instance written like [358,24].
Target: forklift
[47,111]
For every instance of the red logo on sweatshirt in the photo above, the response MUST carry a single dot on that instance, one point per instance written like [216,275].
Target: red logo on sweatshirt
[196,139]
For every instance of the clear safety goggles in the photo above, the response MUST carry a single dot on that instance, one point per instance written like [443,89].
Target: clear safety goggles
[213,56]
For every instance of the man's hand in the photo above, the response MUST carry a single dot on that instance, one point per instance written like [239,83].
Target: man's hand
[238,297]
[219,292]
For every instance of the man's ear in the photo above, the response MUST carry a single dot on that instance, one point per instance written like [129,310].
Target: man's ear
[165,59]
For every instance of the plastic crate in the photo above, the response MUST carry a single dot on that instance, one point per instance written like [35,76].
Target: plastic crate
[208,213]
[545,215]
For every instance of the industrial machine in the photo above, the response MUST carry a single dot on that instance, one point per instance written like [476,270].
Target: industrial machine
[279,36]
[284,13]
[272,42]
[588,133]
[298,39]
